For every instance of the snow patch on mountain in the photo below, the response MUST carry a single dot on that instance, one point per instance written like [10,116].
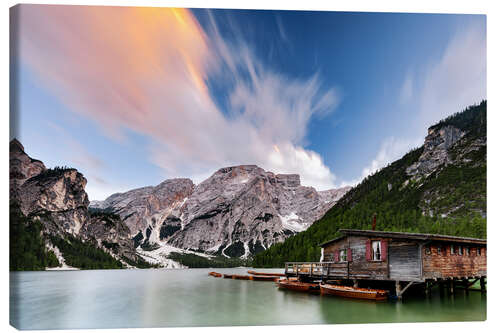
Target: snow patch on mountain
[160,256]
[293,222]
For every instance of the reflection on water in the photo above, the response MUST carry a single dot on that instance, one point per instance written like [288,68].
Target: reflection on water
[159,298]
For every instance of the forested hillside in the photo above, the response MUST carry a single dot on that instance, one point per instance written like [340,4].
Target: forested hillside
[447,197]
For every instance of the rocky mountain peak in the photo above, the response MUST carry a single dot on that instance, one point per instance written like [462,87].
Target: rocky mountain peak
[145,206]
[57,198]
[15,145]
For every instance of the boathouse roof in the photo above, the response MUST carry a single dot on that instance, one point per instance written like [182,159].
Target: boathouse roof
[405,235]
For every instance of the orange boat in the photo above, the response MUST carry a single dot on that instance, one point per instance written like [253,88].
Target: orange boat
[228,276]
[215,274]
[265,274]
[241,277]
[351,292]
[298,286]
[264,278]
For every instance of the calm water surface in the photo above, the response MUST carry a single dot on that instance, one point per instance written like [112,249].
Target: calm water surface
[161,297]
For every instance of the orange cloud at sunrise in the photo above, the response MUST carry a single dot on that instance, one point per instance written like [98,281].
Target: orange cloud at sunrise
[118,59]
[145,70]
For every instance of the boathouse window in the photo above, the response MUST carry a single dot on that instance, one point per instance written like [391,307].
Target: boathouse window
[438,248]
[478,251]
[460,252]
[343,255]
[452,249]
[467,251]
[376,250]
[428,250]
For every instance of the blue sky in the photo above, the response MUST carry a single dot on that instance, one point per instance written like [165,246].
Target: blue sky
[332,96]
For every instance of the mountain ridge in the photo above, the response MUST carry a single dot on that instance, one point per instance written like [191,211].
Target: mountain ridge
[236,212]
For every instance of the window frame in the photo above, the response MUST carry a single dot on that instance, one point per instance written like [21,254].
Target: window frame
[460,250]
[438,249]
[452,250]
[343,255]
[379,242]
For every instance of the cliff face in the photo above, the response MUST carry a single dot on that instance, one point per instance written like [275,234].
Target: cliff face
[21,167]
[455,157]
[57,198]
[109,232]
[146,206]
[436,151]
[237,211]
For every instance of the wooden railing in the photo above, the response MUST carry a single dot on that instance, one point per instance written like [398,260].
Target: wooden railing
[326,269]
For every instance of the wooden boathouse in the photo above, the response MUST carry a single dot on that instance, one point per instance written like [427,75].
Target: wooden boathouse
[401,259]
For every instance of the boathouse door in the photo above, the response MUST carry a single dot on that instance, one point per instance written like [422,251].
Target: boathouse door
[404,261]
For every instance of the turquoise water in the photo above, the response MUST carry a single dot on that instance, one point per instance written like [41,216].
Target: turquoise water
[162,297]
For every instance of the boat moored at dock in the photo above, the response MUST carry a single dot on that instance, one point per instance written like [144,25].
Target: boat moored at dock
[264,278]
[296,285]
[266,273]
[352,292]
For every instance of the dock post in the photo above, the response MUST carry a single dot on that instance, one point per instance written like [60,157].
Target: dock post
[355,283]
[426,288]
[398,289]
[483,285]
[441,287]
[452,286]
[465,281]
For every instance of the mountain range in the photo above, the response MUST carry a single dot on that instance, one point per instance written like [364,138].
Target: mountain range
[237,212]
[244,214]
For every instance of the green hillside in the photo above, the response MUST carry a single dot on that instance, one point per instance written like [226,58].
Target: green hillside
[452,200]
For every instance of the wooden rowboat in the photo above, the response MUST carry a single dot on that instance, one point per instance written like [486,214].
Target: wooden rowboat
[215,274]
[351,292]
[264,278]
[298,286]
[265,274]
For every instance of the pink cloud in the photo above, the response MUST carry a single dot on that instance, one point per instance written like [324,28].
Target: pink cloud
[145,69]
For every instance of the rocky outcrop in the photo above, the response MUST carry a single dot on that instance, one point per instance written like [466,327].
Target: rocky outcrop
[149,206]
[111,234]
[21,167]
[57,198]
[237,211]
[436,151]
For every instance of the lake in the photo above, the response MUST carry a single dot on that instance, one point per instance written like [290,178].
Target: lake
[164,297]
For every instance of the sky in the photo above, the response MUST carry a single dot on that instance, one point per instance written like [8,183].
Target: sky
[132,96]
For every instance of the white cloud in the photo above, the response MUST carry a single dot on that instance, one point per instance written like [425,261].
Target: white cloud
[406,93]
[390,150]
[160,89]
[455,81]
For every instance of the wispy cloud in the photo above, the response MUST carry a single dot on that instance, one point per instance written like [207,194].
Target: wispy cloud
[458,79]
[145,69]
[406,93]
[449,85]
[390,150]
